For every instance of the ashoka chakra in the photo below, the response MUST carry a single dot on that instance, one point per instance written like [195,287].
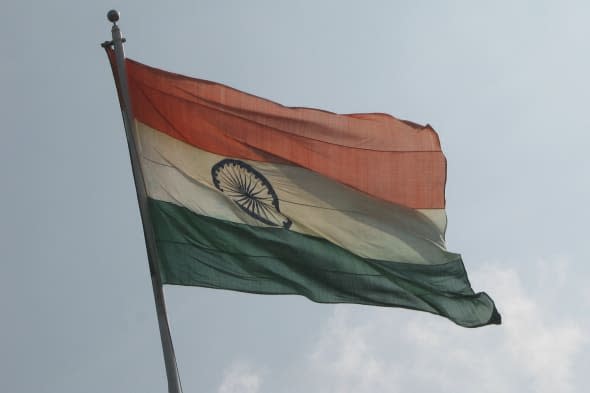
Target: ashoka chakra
[250,190]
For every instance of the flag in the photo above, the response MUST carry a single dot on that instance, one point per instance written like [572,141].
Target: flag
[248,195]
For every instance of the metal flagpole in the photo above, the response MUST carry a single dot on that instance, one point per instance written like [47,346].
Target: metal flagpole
[125,102]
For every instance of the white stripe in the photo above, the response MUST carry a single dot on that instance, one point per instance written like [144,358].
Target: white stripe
[181,174]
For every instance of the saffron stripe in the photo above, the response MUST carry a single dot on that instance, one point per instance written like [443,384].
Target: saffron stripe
[377,154]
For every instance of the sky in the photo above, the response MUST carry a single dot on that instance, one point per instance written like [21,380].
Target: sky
[504,83]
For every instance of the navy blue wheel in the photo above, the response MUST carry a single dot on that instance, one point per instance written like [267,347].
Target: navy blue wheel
[250,190]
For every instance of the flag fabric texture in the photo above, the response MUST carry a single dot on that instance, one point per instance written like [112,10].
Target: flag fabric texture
[249,195]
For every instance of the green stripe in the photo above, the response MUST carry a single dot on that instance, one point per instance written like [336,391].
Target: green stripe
[203,251]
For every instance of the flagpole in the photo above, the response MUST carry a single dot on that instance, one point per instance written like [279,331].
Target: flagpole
[126,110]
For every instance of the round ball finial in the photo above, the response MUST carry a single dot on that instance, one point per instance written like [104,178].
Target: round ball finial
[113,16]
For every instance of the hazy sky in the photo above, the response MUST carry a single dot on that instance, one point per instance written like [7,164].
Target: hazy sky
[506,85]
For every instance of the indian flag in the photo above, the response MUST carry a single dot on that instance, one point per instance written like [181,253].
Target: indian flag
[249,195]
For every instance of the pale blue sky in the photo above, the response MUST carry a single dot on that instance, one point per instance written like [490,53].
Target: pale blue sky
[504,83]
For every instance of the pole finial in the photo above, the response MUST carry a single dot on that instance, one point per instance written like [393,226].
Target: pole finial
[113,16]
